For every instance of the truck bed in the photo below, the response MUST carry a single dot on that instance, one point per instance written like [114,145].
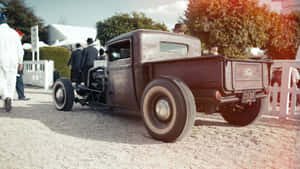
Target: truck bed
[215,73]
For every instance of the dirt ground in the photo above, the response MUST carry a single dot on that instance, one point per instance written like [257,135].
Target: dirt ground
[36,136]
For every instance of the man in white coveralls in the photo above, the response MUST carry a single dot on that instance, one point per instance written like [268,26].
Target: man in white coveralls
[11,58]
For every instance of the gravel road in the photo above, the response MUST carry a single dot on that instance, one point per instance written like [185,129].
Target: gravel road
[36,136]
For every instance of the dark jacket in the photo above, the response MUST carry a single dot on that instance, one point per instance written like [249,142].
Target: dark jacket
[89,54]
[75,59]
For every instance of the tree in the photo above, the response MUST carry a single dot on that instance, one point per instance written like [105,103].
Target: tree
[232,25]
[124,22]
[22,18]
[284,36]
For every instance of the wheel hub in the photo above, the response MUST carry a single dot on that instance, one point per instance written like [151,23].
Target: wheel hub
[163,110]
[59,95]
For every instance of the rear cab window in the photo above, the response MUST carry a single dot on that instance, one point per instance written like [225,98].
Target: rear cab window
[174,48]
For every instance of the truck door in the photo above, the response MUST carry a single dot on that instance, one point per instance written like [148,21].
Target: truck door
[121,91]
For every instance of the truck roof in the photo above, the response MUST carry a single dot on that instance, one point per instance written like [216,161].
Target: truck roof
[156,46]
[141,31]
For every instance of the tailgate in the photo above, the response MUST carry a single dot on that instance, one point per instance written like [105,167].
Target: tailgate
[246,75]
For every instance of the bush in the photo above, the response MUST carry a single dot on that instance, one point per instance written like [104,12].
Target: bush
[59,55]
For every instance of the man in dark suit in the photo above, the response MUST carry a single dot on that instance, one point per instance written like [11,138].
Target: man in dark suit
[74,61]
[89,54]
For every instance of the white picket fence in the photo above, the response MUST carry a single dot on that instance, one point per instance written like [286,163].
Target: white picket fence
[286,107]
[39,73]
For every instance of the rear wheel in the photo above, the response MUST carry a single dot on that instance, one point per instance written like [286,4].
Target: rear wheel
[63,94]
[241,114]
[168,109]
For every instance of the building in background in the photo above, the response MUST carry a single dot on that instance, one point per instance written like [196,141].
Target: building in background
[282,6]
[290,5]
[274,5]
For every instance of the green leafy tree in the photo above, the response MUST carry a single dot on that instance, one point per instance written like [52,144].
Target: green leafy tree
[124,22]
[232,25]
[22,18]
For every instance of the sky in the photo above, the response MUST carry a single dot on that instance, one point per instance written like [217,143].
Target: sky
[88,12]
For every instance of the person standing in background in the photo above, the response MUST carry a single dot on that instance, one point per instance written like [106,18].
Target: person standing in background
[89,55]
[179,28]
[11,58]
[74,61]
[295,80]
[20,83]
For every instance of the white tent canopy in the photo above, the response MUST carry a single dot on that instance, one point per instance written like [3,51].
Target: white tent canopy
[60,35]
[68,36]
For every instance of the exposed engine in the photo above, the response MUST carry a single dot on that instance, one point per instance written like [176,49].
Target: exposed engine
[97,79]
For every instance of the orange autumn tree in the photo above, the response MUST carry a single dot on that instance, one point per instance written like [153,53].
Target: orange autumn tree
[235,25]
[284,36]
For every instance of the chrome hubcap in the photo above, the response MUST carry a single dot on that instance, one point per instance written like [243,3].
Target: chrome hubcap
[59,95]
[163,110]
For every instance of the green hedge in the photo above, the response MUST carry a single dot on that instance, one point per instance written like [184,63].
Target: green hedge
[59,55]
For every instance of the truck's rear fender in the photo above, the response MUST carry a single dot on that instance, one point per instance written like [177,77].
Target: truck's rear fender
[179,83]
[202,75]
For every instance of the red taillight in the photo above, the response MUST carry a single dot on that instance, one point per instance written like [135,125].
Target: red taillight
[218,95]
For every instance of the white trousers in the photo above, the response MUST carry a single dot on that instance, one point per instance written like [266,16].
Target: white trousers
[7,83]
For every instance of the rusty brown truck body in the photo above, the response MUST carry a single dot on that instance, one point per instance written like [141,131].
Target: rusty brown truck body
[163,78]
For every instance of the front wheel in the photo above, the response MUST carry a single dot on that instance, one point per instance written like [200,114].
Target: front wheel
[241,114]
[168,109]
[63,94]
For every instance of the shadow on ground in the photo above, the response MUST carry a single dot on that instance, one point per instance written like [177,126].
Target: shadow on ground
[87,123]
[84,122]
[274,122]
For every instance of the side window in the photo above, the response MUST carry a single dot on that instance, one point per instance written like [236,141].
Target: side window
[119,50]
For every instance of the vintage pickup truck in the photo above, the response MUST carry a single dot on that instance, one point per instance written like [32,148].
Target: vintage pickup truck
[162,77]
